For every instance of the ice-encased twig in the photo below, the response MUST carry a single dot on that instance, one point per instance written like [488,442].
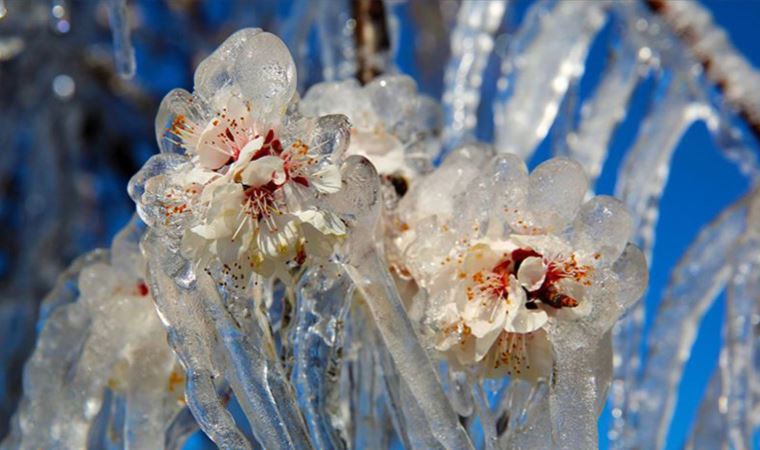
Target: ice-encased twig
[601,114]
[709,431]
[252,367]
[191,337]
[646,167]
[539,68]
[724,66]
[573,396]
[640,184]
[124,53]
[323,299]
[472,42]
[695,282]
[337,49]
[359,203]
[737,353]
[407,417]
[100,341]
[247,360]
[373,280]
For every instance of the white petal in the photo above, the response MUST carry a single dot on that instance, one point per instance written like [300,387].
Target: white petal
[517,296]
[279,240]
[263,170]
[484,320]
[196,175]
[316,243]
[214,230]
[484,344]
[326,180]
[212,149]
[532,273]
[527,320]
[324,221]
[482,256]
[231,250]
[249,149]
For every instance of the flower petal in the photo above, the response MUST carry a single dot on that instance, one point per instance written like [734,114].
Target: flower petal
[327,179]
[249,149]
[324,221]
[278,238]
[263,170]
[532,273]
[527,320]
[212,149]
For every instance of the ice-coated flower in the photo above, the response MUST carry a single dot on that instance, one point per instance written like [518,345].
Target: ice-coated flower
[243,175]
[509,257]
[392,125]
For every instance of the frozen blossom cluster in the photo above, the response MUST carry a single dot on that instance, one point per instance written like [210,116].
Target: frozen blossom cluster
[349,267]
[254,190]
[503,257]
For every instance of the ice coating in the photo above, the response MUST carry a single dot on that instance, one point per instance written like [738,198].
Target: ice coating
[392,125]
[520,119]
[509,287]
[105,344]
[354,391]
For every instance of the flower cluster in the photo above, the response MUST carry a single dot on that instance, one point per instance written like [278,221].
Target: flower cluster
[489,257]
[243,175]
[392,125]
[506,255]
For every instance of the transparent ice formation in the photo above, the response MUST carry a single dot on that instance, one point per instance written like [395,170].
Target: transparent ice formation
[351,268]
[102,373]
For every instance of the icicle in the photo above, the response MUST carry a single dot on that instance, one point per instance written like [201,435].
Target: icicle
[295,32]
[408,419]
[516,410]
[337,48]
[471,45]
[709,432]
[252,368]
[539,68]
[695,282]
[190,335]
[373,280]
[640,185]
[601,114]
[487,421]
[371,275]
[736,368]
[323,299]
[124,54]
